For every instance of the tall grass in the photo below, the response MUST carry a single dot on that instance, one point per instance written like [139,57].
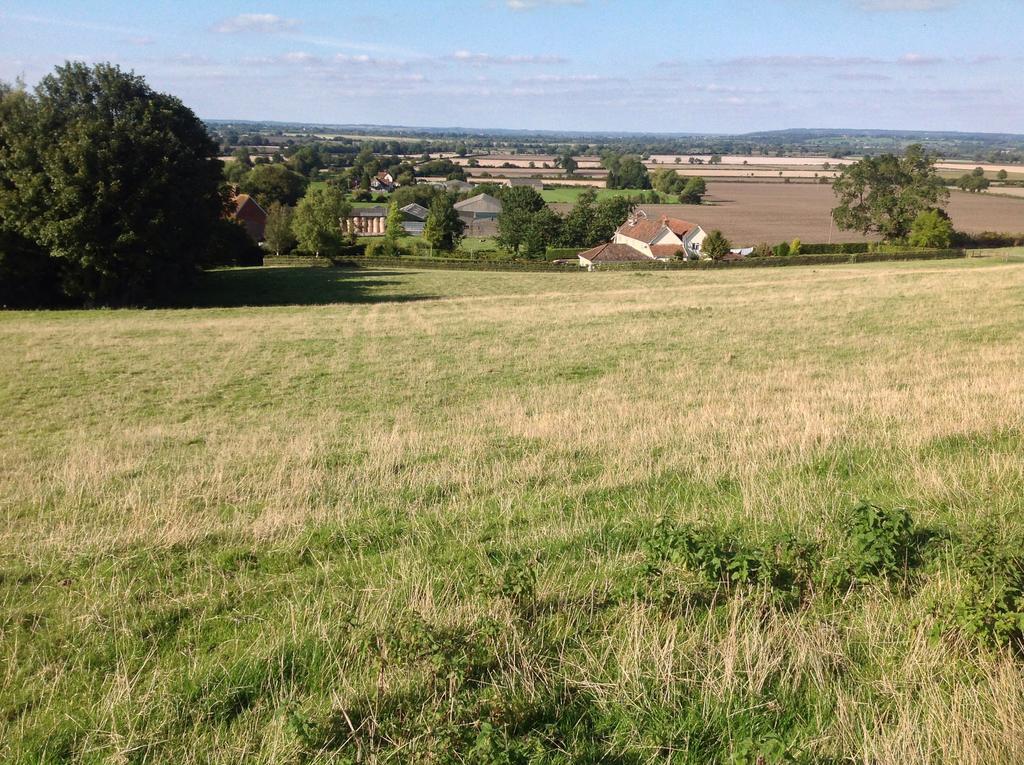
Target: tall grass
[411,520]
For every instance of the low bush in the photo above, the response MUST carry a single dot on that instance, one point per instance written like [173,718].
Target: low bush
[881,541]
[833,248]
[230,245]
[987,239]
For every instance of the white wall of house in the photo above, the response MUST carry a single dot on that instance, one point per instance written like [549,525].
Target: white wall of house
[636,244]
[667,236]
[695,240]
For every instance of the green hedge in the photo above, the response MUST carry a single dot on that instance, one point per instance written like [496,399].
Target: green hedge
[454,264]
[845,248]
[555,253]
[988,239]
[672,265]
[295,260]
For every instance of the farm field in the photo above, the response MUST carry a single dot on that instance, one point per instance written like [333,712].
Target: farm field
[750,212]
[403,516]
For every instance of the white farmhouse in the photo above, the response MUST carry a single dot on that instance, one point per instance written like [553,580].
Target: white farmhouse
[662,238]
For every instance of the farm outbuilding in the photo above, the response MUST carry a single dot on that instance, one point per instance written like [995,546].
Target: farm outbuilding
[414,217]
[610,252]
[480,207]
[366,221]
[252,217]
[531,183]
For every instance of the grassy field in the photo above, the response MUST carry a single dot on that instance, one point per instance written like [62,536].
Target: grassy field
[455,517]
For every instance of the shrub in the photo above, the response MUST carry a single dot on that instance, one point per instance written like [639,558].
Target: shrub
[782,250]
[795,247]
[931,228]
[384,248]
[881,540]
[231,245]
[991,608]
[763,250]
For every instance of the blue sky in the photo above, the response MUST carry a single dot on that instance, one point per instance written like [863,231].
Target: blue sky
[653,65]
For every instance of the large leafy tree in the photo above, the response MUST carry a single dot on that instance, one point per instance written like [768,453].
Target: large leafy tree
[444,228]
[578,225]
[693,191]
[609,214]
[116,184]
[715,245]
[626,171]
[545,230]
[394,230]
[518,206]
[885,194]
[273,183]
[317,220]
[278,233]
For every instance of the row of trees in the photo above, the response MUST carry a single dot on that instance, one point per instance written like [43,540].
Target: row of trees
[315,225]
[527,226]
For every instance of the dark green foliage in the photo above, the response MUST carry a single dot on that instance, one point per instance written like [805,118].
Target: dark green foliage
[591,222]
[625,171]
[117,183]
[885,194]
[880,541]
[545,228]
[578,226]
[692,193]
[972,182]
[837,247]
[609,214]
[519,205]
[29,277]
[781,249]
[444,228]
[723,558]
[518,581]
[442,167]
[715,246]
[991,607]
[987,239]
[231,245]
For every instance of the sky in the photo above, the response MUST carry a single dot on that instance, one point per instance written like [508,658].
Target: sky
[600,65]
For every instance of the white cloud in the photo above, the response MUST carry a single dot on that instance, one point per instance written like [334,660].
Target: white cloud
[529,5]
[264,23]
[469,57]
[920,59]
[802,61]
[905,5]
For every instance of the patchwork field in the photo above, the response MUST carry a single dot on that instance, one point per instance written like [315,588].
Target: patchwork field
[405,517]
[753,212]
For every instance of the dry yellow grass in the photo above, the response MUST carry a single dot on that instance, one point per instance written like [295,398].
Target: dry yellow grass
[429,417]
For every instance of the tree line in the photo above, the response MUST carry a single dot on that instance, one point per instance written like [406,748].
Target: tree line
[110,192]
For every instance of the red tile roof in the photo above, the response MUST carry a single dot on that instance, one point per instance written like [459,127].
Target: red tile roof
[611,252]
[643,229]
[679,227]
[647,229]
[666,250]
